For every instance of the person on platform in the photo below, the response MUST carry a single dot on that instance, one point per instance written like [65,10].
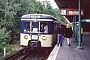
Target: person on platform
[60,35]
[68,34]
[81,34]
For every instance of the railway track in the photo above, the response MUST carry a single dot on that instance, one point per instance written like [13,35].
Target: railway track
[14,56]
[28,55]
[36,56]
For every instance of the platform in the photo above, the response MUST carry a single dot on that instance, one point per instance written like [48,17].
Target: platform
[66,52]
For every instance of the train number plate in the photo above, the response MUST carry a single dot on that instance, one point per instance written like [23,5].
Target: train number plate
[34,37]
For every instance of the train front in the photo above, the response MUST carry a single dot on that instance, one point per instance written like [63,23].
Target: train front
[37,31]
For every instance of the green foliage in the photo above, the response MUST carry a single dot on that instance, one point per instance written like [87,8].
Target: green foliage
[11,12]
[4,39]
[4,36]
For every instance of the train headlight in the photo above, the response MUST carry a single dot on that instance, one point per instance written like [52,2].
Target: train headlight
[44,37]
[26,37]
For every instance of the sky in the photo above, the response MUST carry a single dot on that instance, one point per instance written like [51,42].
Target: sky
[52,2]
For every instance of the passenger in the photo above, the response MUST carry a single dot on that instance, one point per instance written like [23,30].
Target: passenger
[27,27]
[81,34]
[46,28]
[42,27]
[60,35]
[68,34]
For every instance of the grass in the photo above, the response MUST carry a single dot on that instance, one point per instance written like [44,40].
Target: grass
[10,49]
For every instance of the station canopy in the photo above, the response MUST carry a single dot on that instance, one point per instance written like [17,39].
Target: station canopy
[73,4]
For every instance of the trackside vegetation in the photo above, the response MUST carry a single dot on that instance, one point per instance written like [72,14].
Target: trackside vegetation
[10,14]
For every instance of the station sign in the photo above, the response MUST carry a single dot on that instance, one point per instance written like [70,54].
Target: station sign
[71,12]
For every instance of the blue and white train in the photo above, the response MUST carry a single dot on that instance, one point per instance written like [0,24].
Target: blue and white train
[38,30]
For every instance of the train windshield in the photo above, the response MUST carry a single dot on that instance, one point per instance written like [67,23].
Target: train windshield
[36,27]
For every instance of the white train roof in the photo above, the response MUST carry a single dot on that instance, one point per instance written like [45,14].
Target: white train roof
[38,16]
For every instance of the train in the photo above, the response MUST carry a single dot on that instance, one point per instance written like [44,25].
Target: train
[38,30]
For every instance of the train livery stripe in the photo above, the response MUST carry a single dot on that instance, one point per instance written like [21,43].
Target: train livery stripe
[22,24]
[37,33]
[37,19]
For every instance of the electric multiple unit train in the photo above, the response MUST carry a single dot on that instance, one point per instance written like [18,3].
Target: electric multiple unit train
[38,30]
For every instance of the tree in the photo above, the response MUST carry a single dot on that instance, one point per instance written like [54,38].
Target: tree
[11,12]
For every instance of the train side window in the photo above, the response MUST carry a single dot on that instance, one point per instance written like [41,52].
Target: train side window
[55,27]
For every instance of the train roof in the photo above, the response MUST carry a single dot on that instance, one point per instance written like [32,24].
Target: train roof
[38,16]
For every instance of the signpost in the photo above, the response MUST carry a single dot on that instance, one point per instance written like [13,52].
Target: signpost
[70,12]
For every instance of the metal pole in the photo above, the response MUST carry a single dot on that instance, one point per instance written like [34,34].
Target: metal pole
[74,26]
[75,29]
[79,32]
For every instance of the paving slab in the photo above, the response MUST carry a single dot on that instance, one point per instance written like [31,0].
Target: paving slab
[72,52]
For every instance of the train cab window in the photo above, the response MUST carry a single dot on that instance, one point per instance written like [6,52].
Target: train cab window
[35,27]
[26,27]
[31,27]
[44,27]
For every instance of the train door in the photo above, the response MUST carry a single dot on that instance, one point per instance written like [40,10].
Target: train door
[35,30]
[34,37]
[35,27]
